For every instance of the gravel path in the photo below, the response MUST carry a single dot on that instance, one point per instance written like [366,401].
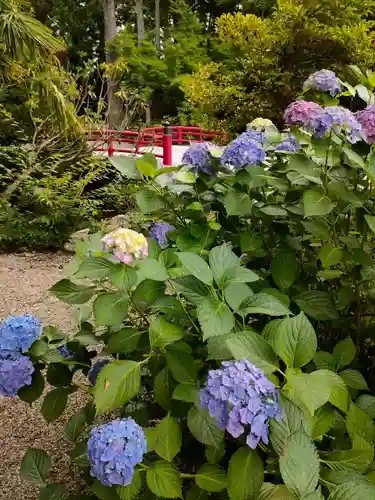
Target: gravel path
[24,283]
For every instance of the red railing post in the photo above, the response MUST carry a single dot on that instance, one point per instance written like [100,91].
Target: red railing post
[167,145]
[110,146]
[179,135]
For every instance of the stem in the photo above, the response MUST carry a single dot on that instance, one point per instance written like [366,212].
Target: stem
[143,316]
[358,318]
[364,237]
[82,388]
[190,476]
[142,466]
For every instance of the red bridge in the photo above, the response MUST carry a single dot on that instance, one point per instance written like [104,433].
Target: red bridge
[132,141]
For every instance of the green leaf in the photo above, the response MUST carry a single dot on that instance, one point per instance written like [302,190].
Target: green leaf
[195,493]
[214,455]
[263,303]
[124,341]
[367,403]
[131,491]
[59,375]
[36,466]
[330,255]
[54,403]
[293,419]
[235,293]
[162,333]
[245,475]
[182,367]
[324,361]
[299,465]
[211,477]
[359,423]
[275,492]
[318,228]
[123,277]
[152,269]
[116,384]
[169,306]
[323,421]
[352,491]
[163,387]
[218,349]
[221,259]
[79,454]
[339,394]
[251,346]
[168,439]
[149,201]
[94,268]
[53,491]
[75,426]
[309,391]
[294,341]
[238,274]
[215,317]
[110,308]
[349,460]
[126,166]
[187,393]
[164,480]
[274,211]
[237,203]
[31,393]
[196,266]
[147,292]
[145,168]
[316,203]
[317,305]
[354,379]
[204,428]
[344,353]
[370,219]
[103,492]
[191,288]
[284,269]
[71,293]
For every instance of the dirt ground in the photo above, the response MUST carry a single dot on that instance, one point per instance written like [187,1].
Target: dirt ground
[24,283]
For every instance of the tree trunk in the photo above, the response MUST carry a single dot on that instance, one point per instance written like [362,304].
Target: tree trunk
[157,26]
[140,21]
[110,30]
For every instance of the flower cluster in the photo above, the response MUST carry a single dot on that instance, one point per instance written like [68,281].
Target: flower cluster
[324,80]
[65,352]
[95,370]
[159,232]
[239,394]
[336,119]
[367,119]
[114,450]
[290,145]
[260,124]
[245,150]
[301,112]
[126,244]
[198,155]
[17,334]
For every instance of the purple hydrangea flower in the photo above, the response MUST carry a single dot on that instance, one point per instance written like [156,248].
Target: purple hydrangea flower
[243,151]
[366,118]
[14,374]
[336,119]
[199,156]
[65,352]
[238,395]
[95,370]
[255,135]
[301,112]
[114,450]
[290,145]
[159,233]
[324,80]
[17,334]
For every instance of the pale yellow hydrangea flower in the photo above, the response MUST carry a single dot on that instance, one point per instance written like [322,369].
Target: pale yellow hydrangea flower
[126,245]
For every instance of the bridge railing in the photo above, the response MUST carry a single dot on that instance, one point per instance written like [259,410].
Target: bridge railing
[110,141]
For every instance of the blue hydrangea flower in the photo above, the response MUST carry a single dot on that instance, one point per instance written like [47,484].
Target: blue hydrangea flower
[114,450]
[17,334]
[65,352]
[199,156]
[336,119]
[238,395]
[244,151]
[255,135]
[159,232]
[15,374]
[324,80]
[290,145]
[94,372]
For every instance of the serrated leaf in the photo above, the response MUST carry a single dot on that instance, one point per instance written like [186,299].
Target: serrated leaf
[103,492]
[349,460]
[163,388]
[354,379]
[36,466]
[215,317]
[110,308]
[323,421]
[126,166]
[79,454]
[53,491]
[235,293]
[182,367]
[94,268]
[116,384]
[75,426]
[370,219]
[196,266]
[221,259]
[168,438]
[211,477]
[204,428]
[31,393]
[284,269]
[124,341]
[359,423]
[317,305]
[324,361]
[263,303]
[187,393]
[275,492]
[152,269]
[71,293]
[299,465]
[164,480]
[237,203]
[162,333]
[315,202]
[191,288]
[344,353]
[55,403]
[330,255]
[245,474]
[149,201]
[218,349]
[309,391]
[352,491]
[238,274]
[367,403]
[214,455]
[131,491]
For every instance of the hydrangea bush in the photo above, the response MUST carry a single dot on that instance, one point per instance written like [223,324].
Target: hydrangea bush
[228,336]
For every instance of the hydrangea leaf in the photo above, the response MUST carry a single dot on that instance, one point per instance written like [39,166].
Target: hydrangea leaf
[131,491]
[284,269]
[31,393]
[299,464]
[263,303]
[152,269]
[116,384]
[354,379]
[271,491]
[316,304]
[237,203]
[126,166]
[349,460]
[124,341]
[215,317]
[36,466]
[197,266]
[315,202]
[221,259]
[309,391]
[94,268]
[353,491]
[187,393]
[168,438]
[182,366]
[164,480]
[344,353]
[162,333]
[359,423]
[367,403]
[163,388]
[323,421]
[111,308]
[245,474]
[54,403]
[71,293]
[214,455]
[204,428]
[239,274]
[104,492]
[53,491]
[211,477]
[149,201]
[75,426]
[191,288]
[195,493]
[330,255]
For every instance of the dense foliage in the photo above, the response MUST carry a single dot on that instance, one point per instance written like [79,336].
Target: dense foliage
[228,344]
